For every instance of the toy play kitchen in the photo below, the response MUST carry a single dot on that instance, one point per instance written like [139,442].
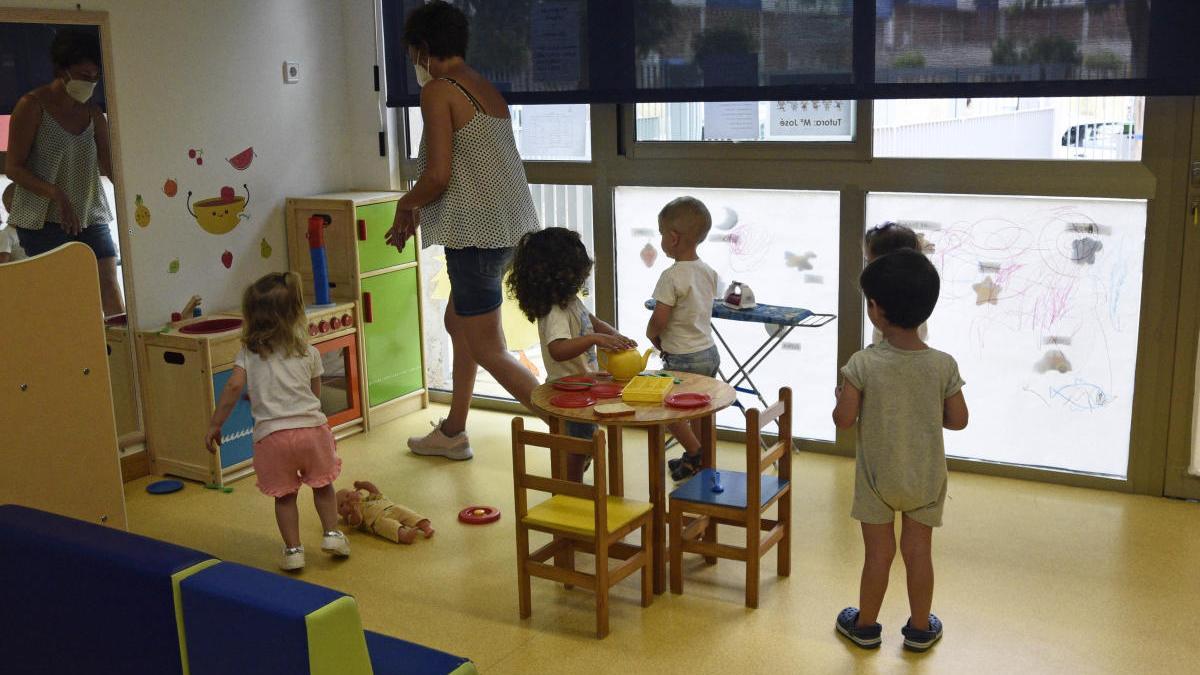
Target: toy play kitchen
[344,234]
[187,366]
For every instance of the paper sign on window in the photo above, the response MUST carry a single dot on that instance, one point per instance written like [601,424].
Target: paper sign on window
[810,118]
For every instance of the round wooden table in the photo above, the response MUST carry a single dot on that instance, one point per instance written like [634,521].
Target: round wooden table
[654,418]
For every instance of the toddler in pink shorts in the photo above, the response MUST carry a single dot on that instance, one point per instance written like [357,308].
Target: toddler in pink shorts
[293,444]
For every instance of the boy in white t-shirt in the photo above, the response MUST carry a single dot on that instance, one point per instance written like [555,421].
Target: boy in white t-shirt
[681,325]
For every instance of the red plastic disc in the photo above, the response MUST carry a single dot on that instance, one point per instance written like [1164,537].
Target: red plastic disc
[688,400]
[573,400]
[607,390]
[573,383]
[479,515]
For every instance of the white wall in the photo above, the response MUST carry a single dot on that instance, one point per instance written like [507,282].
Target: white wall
[207,74]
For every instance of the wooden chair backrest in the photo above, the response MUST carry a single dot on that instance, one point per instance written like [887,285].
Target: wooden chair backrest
[524,481]
[759,460]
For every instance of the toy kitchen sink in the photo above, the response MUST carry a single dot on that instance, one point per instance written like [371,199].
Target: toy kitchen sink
[187,366]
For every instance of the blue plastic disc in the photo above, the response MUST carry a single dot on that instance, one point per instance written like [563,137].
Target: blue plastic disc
[163,487]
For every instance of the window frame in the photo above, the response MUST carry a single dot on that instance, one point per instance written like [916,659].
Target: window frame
[617,160]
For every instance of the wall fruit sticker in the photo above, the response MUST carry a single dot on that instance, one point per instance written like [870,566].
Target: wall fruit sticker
[264,249]
[170,188]
[173,266]
[241,161]
[218,215]
[141,214]
[227,259]
[197,155]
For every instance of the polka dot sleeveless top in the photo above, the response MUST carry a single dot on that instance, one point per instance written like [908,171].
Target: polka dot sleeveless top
[487,203]
[70,162]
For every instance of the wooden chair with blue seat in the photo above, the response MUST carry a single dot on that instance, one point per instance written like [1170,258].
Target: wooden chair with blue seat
[579,518]
[742,501]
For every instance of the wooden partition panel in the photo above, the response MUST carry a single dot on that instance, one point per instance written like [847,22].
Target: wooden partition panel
[59,450]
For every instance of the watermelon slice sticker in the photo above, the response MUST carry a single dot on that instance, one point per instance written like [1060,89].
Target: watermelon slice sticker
[242,160]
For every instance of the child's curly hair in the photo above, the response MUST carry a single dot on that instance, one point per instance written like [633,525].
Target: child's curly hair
[548,269]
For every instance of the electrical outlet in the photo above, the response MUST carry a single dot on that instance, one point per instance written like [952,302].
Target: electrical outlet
[291,72]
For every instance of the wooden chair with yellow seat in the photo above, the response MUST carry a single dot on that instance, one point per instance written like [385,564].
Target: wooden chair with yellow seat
[740,502]
[579,518]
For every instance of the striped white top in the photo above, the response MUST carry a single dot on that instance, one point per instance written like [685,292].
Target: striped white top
[487,202]
[69,161]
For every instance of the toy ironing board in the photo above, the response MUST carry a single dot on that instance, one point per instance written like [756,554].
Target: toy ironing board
[787,318]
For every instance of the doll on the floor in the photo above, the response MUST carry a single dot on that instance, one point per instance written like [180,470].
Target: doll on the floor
[366,508]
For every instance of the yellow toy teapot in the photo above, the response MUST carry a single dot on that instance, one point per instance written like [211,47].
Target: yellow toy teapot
[625,364]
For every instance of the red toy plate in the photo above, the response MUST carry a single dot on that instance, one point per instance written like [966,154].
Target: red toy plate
[573,383]
[687,400]
[575,400]
[479,515]
[607,391]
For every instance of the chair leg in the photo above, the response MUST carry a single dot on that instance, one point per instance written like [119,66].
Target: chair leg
[784,561]
[647,564]
[710,536]
[566,560]
[753,560]
[601,591]
[523,593]
[676,545]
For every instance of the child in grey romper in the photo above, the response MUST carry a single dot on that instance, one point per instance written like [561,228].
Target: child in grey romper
[900,394]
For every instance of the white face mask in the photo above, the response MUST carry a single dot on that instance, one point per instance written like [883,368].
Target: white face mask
[80,90]
[422,72]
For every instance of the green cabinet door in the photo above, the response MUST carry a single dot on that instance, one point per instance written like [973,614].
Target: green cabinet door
[371,226]
[392,326]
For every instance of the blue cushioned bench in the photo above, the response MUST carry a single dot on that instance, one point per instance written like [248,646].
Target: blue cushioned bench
[83,598]
[80,598]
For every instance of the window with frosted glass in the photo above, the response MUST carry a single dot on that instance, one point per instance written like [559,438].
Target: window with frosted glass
[544,133]
[784,245]
[1091,128]
[568,206]
[1040,303]
[796,121]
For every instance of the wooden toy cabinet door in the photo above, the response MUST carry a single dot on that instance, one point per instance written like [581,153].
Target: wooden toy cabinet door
[371,225]
[392,328]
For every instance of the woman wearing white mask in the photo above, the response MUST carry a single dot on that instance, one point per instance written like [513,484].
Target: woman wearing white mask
[472,198]
[57,151]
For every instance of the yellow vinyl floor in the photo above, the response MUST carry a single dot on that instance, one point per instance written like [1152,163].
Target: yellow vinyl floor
[1031,578]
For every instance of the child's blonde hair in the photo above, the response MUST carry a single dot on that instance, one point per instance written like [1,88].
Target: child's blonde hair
[273,309]
[686,216]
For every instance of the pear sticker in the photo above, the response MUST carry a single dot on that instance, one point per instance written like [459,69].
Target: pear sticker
[142,214]
[173,267]
[264,249]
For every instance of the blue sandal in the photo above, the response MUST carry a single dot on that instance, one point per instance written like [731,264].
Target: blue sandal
[869,637]
[921,640]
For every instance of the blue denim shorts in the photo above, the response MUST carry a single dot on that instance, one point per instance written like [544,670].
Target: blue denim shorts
[476,278]
[704,362]
[97,236]
[579,430]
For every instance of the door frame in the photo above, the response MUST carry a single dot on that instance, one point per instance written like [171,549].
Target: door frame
[1177,482]
[100,19]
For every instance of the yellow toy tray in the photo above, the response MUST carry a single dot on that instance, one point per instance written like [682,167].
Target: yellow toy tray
[647,389]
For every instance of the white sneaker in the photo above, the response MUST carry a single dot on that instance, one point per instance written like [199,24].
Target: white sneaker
[438,444]
[293,559]
[335,543]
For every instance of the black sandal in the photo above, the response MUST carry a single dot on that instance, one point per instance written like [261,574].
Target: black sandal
[688,466]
